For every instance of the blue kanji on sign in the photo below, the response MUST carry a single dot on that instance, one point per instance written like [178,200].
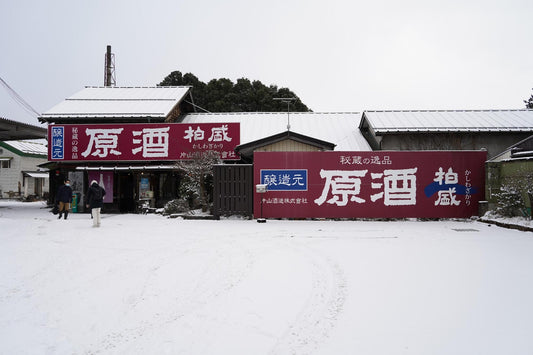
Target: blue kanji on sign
[285,180]
[58,143]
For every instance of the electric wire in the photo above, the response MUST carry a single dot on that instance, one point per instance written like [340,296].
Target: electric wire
[201,108]
[26,106]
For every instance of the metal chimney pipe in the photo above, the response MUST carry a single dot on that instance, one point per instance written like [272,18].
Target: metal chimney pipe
[108,77]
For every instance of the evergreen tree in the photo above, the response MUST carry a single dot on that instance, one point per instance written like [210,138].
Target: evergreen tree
[509,202]
[222,95]
[529,103]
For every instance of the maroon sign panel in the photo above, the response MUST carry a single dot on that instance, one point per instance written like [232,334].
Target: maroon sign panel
[139,142]
[424,184]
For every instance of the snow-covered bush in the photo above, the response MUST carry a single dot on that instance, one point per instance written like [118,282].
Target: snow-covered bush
[509,202]
[198,175]
[189,191]
[178,205]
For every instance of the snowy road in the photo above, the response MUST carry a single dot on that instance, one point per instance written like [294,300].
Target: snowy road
[144,284]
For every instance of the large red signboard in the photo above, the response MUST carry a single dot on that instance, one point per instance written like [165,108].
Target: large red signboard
[139,142]
[424,184]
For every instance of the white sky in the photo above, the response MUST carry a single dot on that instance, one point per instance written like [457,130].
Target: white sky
[336,55]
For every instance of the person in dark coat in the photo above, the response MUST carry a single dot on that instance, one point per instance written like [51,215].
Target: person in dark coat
[64,198]
[95,201]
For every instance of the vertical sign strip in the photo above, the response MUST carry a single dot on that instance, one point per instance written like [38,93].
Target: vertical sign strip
[58,142]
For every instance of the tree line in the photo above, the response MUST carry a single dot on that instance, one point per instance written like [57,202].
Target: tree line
[223,95]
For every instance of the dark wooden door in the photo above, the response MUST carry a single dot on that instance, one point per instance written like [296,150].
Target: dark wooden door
[233,190]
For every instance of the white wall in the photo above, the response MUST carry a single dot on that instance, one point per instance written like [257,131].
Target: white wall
[11,177]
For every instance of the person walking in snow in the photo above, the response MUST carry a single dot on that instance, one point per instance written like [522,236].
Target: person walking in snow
[95,201]
[64,198]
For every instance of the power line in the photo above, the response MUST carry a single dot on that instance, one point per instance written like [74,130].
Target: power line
[201,108]
[19,99]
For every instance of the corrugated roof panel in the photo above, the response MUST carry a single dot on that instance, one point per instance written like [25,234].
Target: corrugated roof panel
[337,128]
[30,146]
[86,108]
[119,102]
[450,121]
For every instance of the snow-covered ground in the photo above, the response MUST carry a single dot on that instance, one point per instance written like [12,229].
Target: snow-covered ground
[145,284]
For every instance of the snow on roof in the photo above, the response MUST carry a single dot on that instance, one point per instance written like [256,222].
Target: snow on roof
[119,102]
[30,146]
[450,121]
[337,128]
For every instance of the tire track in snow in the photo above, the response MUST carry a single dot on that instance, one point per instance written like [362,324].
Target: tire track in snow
[318,316]
[216,278]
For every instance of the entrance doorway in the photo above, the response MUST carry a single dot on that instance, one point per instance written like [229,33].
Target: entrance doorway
[126,188]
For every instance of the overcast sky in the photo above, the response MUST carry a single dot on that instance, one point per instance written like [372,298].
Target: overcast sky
[336,55]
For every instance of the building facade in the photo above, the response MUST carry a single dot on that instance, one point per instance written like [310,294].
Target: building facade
[20,175]
[490,130]
[90,114]
[130,139]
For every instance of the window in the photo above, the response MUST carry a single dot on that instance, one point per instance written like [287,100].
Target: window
[6,163]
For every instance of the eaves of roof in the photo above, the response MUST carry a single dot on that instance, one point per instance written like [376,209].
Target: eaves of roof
[14,130]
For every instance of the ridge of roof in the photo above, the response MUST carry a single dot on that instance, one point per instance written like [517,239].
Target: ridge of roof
[270,113]
[136,87]
[111,99]
[456,110]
